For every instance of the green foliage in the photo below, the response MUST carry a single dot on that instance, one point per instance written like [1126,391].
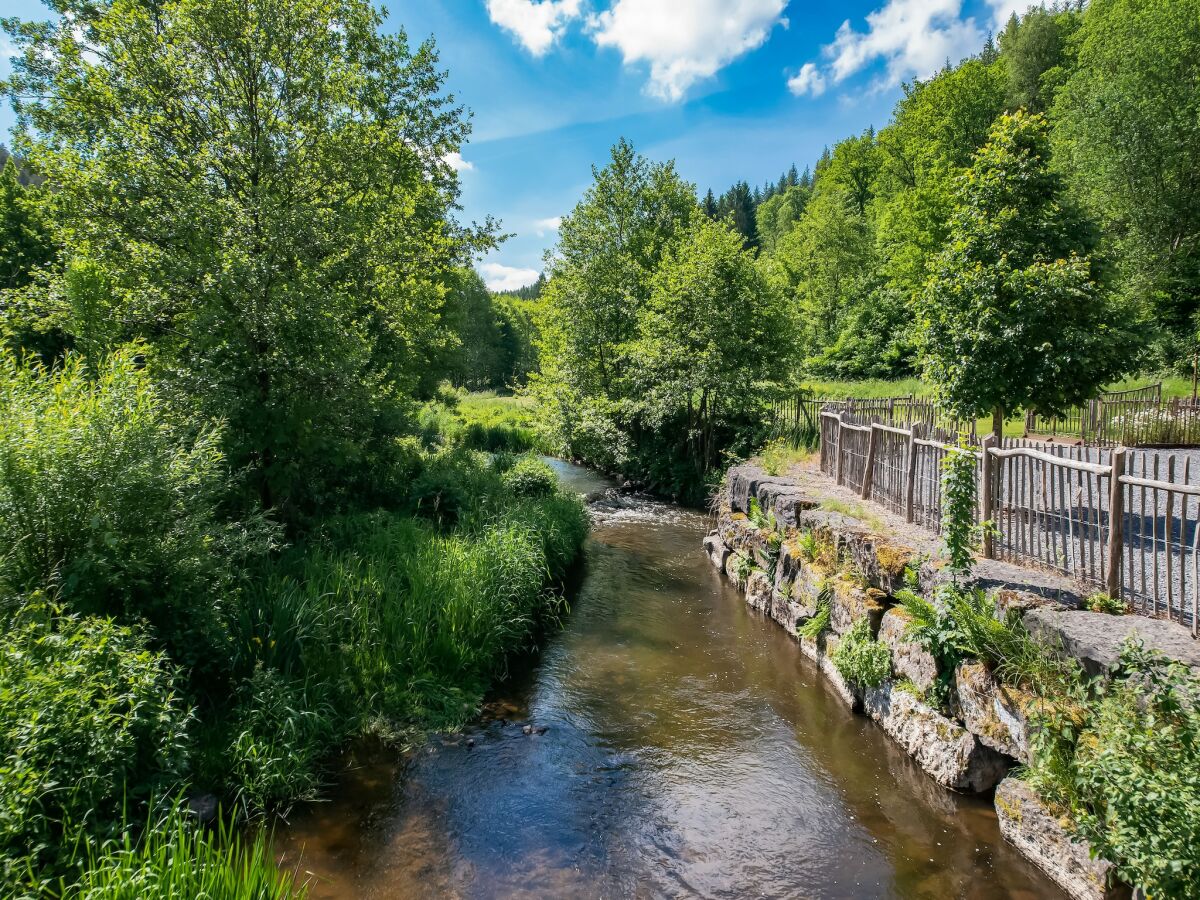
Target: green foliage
[1127,132]
[820,621]
[861,659]
[90,727]
[173,857]
[657,331]
[25,243]
[531,477]
[1122,761]
[283,735]
[286,245]
[384,622]
[1012,316]
[109,497]
[1102,603]
[959,528]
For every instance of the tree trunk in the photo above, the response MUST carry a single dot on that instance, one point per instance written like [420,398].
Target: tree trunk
[998,425]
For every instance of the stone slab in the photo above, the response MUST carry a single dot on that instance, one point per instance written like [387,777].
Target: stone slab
[909,659]
[1042,838]
[951,755]
[1095,639]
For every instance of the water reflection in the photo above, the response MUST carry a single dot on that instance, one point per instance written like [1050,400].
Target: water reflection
[689,750]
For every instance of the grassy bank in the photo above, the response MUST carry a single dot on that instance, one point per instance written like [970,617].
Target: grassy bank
[154,647]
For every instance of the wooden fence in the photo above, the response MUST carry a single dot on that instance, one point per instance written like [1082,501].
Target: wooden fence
[1122,521]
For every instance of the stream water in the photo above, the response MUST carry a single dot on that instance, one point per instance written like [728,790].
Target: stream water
[689,750]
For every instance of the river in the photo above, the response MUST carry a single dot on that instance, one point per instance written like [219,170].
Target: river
[689,749]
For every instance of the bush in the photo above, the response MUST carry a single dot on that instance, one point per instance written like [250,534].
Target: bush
[453,488]
[530,477]
[861,659]
[112,500]
[1125,766]
[90,726]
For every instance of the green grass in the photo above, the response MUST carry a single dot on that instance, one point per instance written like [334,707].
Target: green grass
[489,421]
[176,858]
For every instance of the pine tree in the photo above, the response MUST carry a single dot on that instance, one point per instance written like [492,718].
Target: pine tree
[710,205]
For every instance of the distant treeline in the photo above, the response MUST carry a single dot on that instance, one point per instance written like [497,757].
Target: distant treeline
[1116,81]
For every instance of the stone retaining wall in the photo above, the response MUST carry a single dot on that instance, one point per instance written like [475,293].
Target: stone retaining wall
[803,549]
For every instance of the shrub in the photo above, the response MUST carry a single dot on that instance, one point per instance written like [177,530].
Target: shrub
[112,500]
[1126,768]
[453,487]
[530,477]
[861,659]
[1102,603]
[90,726]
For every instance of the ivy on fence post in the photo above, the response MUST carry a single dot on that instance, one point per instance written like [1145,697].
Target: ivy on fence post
[959,528]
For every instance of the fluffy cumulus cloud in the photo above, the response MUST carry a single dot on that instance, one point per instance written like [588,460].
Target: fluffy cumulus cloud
[506,278]
[913,38]
[1003,9]
[808,80]
[537,24]
[684,41]
[541,226]
[910,38]
[455,161]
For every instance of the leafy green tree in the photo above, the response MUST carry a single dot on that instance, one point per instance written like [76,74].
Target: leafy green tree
[608,249]
[1127,130]
[25,243]
[777,216]
[824,265]
[1012,316]
[936,127]
[713,330]
[854,168]
[263,184]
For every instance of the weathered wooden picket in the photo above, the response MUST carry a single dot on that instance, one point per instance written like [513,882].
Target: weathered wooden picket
[1117,520]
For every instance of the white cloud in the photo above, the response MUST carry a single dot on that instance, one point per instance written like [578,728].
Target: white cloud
[913,38]
[1002,9]
[685,41]
[506,278]
[808,80]
[455,161]
[541,226]
[537,25]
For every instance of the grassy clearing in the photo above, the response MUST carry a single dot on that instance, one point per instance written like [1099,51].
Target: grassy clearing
[483,421]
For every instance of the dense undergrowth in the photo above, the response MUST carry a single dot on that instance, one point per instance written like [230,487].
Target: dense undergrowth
[156,647]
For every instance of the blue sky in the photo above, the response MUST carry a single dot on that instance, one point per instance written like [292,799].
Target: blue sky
[729,89]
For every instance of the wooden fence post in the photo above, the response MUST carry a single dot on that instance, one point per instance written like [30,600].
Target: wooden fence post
[869,471]
[1116,522]
[988,485]
[841,436]
[910,484]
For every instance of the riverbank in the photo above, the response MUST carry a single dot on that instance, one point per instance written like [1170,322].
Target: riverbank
[679,745]
[187,670]
[962,685]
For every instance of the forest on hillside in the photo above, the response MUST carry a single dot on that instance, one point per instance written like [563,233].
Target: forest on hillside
[1033,210]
